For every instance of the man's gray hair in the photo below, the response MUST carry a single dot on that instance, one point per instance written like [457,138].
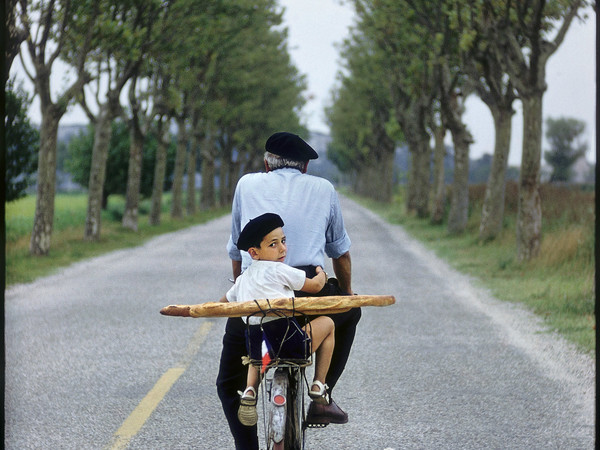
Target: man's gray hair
[277,162]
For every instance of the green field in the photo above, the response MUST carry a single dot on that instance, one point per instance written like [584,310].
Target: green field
[68,245]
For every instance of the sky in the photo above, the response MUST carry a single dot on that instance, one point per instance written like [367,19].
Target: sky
[316,27]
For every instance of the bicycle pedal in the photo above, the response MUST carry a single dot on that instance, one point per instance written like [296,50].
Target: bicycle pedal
[316,425]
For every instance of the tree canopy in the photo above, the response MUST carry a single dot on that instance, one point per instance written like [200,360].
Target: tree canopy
[22,143]
[78,162]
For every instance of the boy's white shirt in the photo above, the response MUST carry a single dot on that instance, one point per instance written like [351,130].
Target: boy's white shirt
[266,280]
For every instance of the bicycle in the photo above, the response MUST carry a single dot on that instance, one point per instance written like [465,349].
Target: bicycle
[283,386]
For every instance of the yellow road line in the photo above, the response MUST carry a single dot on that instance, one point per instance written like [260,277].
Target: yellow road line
[142,412]
[146,407]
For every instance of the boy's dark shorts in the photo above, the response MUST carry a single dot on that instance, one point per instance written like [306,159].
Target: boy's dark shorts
[287,339]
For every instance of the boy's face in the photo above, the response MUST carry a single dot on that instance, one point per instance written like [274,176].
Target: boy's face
[272,247]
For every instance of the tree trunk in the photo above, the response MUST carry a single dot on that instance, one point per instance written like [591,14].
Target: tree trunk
[439,185]
[225,173]
[419,180]
[190,205]
[413,116]
[411,178]
[102,134]
[179,169]
[160,169]
[375,178]
[224,170]
[374,181]
[234,174]
[207,191]
[417,190]
[46,184]
[134,175]
[452,107]
[529,214]
[492,213]
[459,203]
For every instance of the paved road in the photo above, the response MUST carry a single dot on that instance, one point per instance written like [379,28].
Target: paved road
[90,363]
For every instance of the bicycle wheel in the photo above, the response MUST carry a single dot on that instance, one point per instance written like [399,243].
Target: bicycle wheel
[294,434]
[285,431]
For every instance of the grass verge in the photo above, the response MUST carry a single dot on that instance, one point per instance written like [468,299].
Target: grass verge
[558,285]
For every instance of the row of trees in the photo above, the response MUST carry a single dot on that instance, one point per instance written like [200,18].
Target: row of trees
[77,162]
[219,70]
[410,65]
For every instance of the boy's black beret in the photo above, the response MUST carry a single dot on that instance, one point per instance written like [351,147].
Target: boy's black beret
[257,229]
[289,145]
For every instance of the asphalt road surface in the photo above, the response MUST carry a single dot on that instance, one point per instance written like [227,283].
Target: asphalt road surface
[90,362]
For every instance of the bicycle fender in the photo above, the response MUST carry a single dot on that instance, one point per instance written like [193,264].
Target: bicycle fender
[279,391]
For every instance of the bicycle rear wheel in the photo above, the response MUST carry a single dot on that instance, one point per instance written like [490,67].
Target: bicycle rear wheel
[285,423]
[295,414]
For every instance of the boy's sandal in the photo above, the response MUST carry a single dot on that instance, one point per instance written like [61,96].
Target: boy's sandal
[247,413]
[320,393]
[245,395]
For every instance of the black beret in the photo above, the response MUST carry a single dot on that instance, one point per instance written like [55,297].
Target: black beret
[255,230]
[290,146]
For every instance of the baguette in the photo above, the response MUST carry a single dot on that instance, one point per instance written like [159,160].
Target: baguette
[305,305]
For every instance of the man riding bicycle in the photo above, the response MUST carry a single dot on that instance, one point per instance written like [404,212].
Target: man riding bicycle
[310,208]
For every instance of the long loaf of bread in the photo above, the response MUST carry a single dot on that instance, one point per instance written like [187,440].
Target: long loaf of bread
[305,305]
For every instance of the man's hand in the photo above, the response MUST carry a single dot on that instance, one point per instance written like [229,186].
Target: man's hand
[236,268]
[342,267]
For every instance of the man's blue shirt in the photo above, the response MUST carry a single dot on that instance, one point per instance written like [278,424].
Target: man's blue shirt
[309,207]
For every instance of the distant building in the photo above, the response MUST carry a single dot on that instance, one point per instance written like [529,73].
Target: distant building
[582,171]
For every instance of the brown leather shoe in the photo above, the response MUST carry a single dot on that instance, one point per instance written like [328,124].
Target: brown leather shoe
[324,414]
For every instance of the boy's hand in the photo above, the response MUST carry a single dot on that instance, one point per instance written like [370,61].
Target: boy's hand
[316,283]
[319,271]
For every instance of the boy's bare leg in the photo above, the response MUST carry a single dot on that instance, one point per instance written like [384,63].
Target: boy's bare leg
[252,380]
[321,330]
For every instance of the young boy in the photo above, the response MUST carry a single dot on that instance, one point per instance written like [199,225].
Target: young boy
[268,277]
